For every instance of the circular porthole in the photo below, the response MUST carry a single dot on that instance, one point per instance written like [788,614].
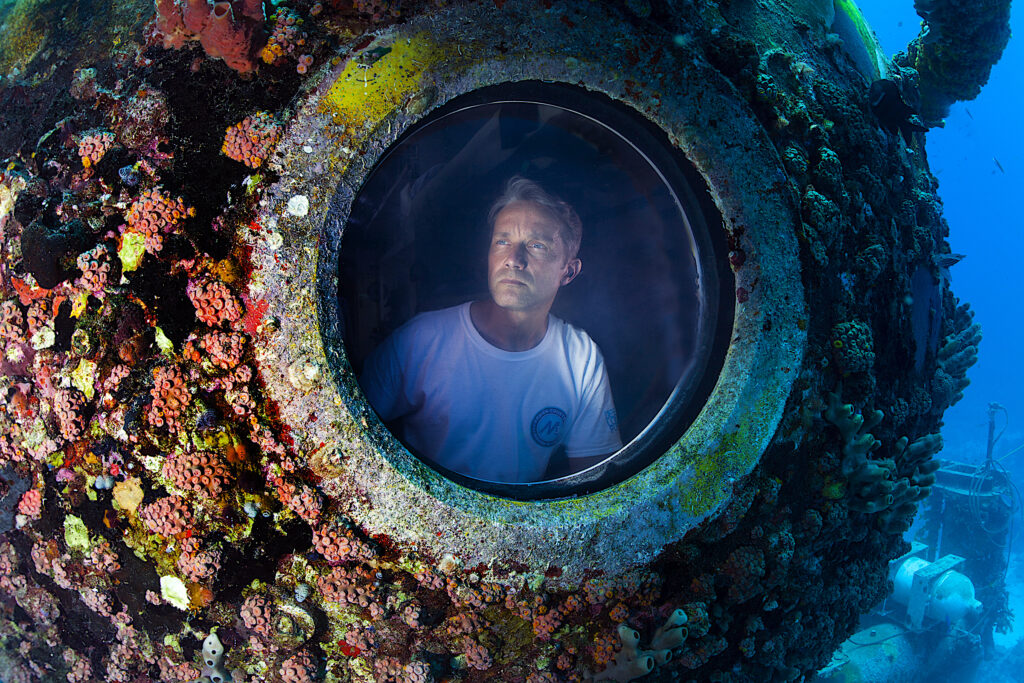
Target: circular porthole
[654,292]
[393,165]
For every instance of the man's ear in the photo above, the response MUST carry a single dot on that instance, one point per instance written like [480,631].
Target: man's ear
[572,269]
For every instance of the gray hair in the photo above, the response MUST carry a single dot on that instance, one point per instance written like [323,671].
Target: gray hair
[520,189]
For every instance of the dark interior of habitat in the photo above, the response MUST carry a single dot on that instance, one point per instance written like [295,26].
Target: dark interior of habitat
[655,291]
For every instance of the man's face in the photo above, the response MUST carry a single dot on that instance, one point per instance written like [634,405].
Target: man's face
[528,260]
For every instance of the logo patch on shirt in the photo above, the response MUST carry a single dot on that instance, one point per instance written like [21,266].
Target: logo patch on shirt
[546,426]
[612,419]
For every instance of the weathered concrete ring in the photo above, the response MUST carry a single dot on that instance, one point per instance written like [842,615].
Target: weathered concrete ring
[362,105]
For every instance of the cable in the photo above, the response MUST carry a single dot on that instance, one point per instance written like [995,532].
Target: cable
[999,477]
[1007,455]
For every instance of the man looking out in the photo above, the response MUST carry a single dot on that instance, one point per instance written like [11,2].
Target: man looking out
[491,389]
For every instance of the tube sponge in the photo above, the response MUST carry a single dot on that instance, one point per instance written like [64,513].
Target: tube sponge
[959,351]
[631,662]
[213,659]
[892,486]
[229,38]
[672,633]
[232,31]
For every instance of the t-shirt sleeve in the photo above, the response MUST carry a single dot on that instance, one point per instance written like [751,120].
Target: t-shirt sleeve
[382,380]
[596,429]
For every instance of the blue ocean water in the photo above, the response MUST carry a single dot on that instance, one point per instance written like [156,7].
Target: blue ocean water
[978,158]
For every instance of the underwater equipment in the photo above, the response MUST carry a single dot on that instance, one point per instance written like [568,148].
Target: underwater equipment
[935,608]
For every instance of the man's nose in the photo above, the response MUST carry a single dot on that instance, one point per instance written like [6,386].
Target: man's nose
[516,257]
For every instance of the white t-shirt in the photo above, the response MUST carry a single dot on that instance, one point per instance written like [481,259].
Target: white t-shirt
[487,413]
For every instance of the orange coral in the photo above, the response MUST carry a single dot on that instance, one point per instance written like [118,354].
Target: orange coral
[378,10]
[348,587]
[214,302]
[168,516]
[285,38]
[303,500]
[154,215]
[477,656]
[93,146]
[170,398]
[604,648]
[69,405]
[202,474]
[251,140]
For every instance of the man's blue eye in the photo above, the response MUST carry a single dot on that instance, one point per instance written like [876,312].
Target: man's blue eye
[538,245]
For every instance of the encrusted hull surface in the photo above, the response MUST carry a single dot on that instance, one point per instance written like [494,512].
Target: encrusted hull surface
[185,450]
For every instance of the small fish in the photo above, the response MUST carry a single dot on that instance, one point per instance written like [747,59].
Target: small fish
[948,260]
[968,112]
[999,165]
[944,263]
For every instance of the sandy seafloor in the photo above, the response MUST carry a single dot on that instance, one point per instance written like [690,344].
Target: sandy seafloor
[978,158]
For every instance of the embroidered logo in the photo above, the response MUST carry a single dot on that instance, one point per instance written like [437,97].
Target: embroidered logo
[547,426]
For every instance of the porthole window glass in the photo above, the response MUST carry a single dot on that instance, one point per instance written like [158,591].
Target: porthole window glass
[533,291]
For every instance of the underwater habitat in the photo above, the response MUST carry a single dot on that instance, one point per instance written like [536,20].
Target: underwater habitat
[538,341]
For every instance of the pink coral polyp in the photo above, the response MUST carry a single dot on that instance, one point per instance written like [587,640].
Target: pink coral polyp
[225,349]
[69,404]
[93,146]
[214,302]
[255,613]
[12,322]
[202,474]
[154,215]
[170,398]
[297,669]
[168,516]
[196,562]
[95,265]
[252,139]
[31,504]
[337,545]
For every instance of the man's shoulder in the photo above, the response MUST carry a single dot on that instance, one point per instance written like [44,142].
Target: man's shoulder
[440,316]
[430,324]
[575,338]
[580,350]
